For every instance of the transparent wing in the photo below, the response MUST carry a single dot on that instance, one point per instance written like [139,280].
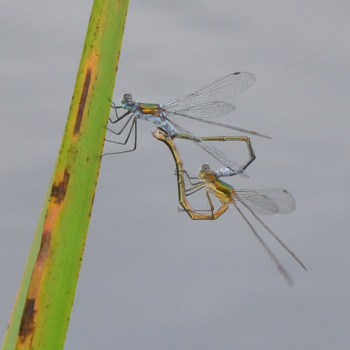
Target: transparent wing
[205,110]
[219,90]
[209,101]
[212,150]
[267,201]
[211,122]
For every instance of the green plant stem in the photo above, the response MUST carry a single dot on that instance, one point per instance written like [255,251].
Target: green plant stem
[44,301]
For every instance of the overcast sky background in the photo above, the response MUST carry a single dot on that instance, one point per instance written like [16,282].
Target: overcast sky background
[151,278]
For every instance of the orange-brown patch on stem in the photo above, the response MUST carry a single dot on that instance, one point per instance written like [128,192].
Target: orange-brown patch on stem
[82,101]
[58,191]
[27,324]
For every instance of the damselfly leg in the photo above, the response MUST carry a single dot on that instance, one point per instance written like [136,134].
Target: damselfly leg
[133,127]
[118,119]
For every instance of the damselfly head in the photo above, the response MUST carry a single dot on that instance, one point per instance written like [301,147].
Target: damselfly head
[127,98]
[203,170]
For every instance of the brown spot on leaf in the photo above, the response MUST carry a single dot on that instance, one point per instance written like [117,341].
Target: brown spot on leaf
[92,203]
[27,324]
[82,101]
[116,67]
[44,247]
[59,191]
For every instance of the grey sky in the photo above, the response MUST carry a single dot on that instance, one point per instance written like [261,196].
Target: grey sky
[152,278]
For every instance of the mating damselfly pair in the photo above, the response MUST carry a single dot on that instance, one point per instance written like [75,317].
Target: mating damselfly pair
[209,101]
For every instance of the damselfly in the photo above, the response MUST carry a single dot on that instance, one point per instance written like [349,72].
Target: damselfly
[208,101]
[265,201]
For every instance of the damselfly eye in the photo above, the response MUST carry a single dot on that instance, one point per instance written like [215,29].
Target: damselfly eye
[204,168]
[127,98]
